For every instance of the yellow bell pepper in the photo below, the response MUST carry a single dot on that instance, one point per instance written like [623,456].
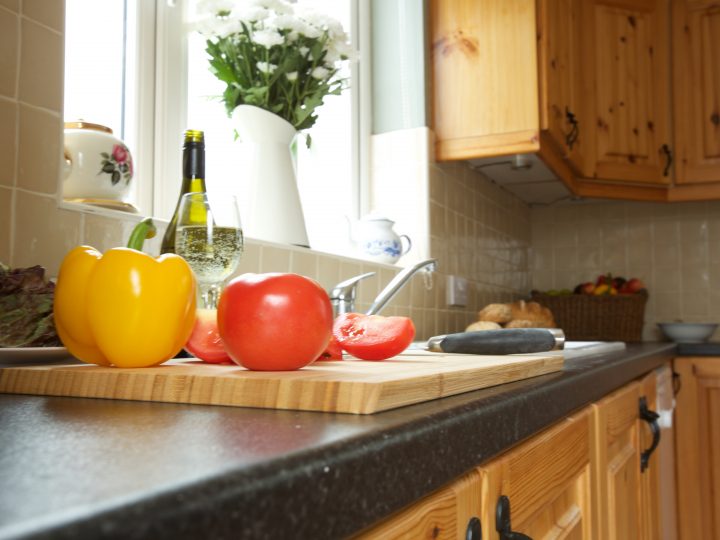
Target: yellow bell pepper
[124,308]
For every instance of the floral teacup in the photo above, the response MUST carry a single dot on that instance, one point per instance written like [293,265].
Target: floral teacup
[98,165]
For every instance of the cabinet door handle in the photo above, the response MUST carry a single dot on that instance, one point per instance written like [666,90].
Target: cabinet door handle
[572,136]
[668,158]
[651,418]
[502,521]
[474,530]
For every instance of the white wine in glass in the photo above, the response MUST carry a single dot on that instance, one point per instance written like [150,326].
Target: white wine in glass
[209,237]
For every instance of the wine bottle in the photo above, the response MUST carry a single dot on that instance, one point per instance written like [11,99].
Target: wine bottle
[193,163]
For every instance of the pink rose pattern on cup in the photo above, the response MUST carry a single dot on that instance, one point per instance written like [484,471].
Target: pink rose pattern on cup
[118,164]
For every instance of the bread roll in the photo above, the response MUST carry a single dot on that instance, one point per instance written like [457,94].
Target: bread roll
[499,313]
[482,325]
[520,323]
[540,316]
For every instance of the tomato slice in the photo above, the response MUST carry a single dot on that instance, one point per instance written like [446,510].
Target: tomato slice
[373,337]
[205,342]
[332,352]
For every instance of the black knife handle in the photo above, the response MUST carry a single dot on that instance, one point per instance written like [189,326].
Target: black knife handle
[506,341]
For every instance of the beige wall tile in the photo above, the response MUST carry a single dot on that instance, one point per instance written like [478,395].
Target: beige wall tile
[9,39]
[274,259]
[328,271]
[13,5]
[250,260]
[43,232]
[103,233]
[5,222]
[8,140]
[304,264]
[40,150]
[41,66]
[47,12]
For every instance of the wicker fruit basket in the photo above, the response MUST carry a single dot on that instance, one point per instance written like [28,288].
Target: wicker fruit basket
[585,317]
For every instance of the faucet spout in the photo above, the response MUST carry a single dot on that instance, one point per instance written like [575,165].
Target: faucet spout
[398,282]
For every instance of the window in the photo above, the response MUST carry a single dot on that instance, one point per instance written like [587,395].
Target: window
[149,98]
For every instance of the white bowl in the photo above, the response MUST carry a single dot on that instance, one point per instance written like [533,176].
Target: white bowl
[688,332]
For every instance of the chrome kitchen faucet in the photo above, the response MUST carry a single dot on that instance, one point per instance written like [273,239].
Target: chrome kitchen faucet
[342,296]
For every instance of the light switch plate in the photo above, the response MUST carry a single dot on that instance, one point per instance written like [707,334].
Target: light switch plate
[457,291]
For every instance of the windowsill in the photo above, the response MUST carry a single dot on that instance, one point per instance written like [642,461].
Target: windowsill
[135,217]
[84,208]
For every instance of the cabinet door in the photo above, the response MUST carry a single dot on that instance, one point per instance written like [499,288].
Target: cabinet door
[626,82]
[696,80]
[698,447]
[546,481]
[444,514]
[649,477]
[559,68]
[484,73]
[616,464]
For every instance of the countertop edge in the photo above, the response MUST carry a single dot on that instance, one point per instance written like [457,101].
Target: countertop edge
[344,487]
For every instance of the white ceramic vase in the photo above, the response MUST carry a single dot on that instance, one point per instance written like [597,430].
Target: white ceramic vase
[273,210]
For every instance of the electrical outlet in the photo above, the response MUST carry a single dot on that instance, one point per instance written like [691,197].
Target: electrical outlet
[457,291]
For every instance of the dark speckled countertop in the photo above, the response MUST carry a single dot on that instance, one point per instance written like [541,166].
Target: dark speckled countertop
[89,468]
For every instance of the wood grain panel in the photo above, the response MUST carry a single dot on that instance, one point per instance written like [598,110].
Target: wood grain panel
[350,386]
[616,465]
[484,75]
[443,515]
[625,63]
[558,64]
[696,86]
[697,447]
[650,478]
[547,480]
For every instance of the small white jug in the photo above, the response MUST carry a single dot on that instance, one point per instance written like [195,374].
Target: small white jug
[375,239]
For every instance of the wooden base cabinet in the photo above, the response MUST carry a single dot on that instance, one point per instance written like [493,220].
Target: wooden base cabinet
[697,447]
[593,475]
[546,483]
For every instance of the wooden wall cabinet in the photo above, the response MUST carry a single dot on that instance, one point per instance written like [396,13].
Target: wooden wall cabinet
[561,103]
[697,439]
[602,117]
[484,69]
[696,87]
[626,91]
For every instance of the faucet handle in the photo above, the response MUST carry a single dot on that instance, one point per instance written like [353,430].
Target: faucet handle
[342,295]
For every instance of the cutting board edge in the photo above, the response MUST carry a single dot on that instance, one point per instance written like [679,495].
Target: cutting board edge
[356,397]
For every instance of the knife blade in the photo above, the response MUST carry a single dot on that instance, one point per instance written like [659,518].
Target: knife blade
[503,341]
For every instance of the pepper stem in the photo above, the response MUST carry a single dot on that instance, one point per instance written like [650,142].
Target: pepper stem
[142,231]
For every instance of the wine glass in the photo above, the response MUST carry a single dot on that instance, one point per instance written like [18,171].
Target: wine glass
[208,235]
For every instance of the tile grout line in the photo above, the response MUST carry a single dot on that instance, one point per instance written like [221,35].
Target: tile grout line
[16,165]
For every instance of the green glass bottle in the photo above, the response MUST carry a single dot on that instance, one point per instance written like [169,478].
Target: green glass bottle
[193,164]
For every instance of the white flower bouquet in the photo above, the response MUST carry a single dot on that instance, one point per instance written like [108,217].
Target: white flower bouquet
[275,55]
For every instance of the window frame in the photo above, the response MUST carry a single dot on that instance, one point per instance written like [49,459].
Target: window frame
[170,97]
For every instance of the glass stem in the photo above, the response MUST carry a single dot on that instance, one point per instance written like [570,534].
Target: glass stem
[210,296]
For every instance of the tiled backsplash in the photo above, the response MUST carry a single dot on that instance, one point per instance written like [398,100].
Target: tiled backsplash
[474,228]
[673,248]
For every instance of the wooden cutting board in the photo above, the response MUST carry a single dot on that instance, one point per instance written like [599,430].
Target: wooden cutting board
[349,386]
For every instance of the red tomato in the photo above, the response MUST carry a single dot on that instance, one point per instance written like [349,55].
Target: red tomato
[333,351]
[373,337]
[205,342]
[274,322]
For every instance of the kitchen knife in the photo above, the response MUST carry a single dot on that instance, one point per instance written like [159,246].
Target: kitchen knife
[503,341]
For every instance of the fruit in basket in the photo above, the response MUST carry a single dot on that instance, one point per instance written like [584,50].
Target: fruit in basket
[632,286]
[605,289]
[585,288]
